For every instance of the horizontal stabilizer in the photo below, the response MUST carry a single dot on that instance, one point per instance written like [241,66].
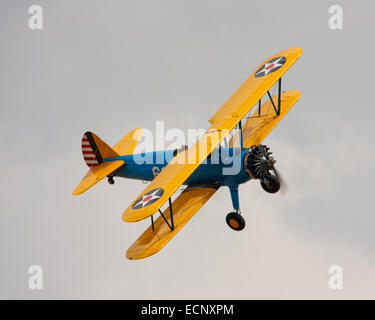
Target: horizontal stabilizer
[128,143]
[97,173]
[95,151]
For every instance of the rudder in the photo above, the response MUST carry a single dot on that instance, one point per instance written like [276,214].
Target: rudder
[94,150]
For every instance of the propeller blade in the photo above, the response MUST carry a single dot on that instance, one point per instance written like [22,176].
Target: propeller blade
[283,185]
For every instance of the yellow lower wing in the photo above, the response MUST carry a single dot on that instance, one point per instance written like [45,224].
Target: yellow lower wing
[258,126]
[183,208]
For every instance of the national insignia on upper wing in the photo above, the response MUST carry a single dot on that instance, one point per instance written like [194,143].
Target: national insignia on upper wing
[148,198]
[270,66]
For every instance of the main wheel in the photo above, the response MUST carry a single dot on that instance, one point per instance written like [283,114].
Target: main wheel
[111,180]
[270,183]
[235,221]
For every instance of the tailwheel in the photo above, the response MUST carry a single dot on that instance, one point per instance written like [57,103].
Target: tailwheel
[270,183]
[111,180]
[235,221]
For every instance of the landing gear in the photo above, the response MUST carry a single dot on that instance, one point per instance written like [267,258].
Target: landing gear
[270,183]
[111,180]
[235,221]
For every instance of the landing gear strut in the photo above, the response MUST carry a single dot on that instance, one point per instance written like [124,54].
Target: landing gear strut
[234,219]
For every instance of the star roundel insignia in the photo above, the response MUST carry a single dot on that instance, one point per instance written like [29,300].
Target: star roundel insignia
[270,66]
[148,198]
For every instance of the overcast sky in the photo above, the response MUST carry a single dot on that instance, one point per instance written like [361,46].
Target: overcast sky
[111,66]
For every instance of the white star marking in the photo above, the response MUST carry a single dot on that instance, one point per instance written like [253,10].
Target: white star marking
[268,67]
[146,198]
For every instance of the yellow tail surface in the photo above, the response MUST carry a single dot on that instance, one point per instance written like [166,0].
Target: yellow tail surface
[95,150]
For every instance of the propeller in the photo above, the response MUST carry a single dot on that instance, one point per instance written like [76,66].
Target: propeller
[259,162]
[283,185]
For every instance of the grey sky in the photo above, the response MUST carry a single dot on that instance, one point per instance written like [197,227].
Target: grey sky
[111,66]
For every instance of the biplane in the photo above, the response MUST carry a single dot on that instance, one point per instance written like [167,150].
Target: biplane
[251,112]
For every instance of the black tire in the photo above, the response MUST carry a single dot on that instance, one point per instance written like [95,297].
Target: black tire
[270,183]
[235,221]
[111,180]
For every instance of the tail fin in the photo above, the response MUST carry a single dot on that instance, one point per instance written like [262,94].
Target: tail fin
[94,150]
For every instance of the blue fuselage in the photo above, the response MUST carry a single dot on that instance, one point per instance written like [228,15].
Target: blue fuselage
[221,167]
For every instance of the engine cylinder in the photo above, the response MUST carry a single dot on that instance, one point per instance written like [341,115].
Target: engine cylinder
[258,161]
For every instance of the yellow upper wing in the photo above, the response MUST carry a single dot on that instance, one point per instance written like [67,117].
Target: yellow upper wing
[254,88]
[223,121]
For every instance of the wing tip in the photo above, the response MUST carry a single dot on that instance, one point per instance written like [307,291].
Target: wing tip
[128,217]
[134,254]
[296,48]
[134,215]
[295,92]
[77,192]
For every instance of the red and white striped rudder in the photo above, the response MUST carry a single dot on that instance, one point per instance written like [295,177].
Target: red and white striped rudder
[90,152]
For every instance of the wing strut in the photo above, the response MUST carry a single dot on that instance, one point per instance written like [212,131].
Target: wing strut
[241,137]
[152,222]
[170,225]
[277,110]
[279,98]
[259,106]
